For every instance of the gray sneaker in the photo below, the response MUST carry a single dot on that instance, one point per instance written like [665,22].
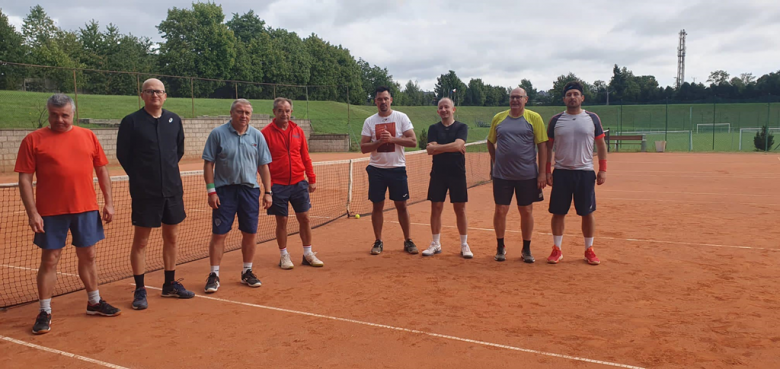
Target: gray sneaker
[527,257]
[139,299]
[377,248]
[410,247]
[212,283]
[500,253]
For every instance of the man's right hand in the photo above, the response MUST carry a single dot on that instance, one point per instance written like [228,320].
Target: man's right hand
[36,223]
[214,201]
[549,179]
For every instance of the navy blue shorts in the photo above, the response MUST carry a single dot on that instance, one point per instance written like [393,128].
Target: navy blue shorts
[86,229]
[581,184]
[236,199]
[380,180]
[297,195]
[439,185]
[526,191]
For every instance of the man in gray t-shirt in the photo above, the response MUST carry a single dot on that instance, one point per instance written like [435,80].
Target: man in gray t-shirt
[513,140]
[234,154]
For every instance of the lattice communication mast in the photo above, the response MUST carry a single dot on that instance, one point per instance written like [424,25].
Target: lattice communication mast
[681,59]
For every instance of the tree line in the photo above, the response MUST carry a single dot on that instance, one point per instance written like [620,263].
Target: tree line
[198,42]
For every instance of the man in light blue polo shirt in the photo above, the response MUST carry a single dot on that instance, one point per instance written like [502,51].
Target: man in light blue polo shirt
[234,154]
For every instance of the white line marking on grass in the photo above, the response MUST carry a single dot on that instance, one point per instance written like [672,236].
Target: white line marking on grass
[615,238]
[33,269]
[63,353]
[414,331]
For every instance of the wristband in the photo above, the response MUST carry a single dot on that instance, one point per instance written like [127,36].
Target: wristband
[210,188]
[602,165]
[549,168]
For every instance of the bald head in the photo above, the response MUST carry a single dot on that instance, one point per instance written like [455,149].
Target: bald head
[153,84]
[518,91]
[517,100]
[446,100]
[153,94]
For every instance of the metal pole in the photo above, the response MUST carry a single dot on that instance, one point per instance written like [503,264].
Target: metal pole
[666,130]
[138,89]
[274,91]
[349,126]
[766,134]
[236,85]
[76,92]
[307,102]
[192,94]
[713,126]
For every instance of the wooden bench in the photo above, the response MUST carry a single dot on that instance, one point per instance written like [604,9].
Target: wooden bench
[621,139]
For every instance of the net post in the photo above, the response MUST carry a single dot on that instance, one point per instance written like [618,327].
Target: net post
[349,188]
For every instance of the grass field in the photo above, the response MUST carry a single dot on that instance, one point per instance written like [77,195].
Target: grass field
[21,110]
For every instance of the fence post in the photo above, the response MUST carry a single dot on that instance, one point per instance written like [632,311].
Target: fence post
[192,95]
[666,129]
[307,103]
[138,89]
[766,136]
[714,103]
[76,93]
[236,85]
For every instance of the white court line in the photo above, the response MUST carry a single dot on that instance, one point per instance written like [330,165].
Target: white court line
[692,193]
[63,353]
[689,201]
[729,176]
[34,269]
[414,331]
[615,238]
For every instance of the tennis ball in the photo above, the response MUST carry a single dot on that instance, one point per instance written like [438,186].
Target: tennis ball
[357,216]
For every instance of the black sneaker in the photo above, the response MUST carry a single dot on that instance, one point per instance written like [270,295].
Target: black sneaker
[250,279]
[500,253]
[42,323]
[527,257]
[102,308]
[410,247]
[176,289]
[377,248]
[139,299]
[212,283]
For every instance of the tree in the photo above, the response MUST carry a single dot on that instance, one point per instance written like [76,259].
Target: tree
[422,143]
[373,77]
[198,44]
[718,77]
[445,85]
[246,27]
[560,83]
[475,93]
[764,140]
[11,49]
[747,78]
[623,85]
[38,28]
[529,90]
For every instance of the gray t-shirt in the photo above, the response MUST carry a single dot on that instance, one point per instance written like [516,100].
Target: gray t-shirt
[573,138]
[236,157]
[515,150]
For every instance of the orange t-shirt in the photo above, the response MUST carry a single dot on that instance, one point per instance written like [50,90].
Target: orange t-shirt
[63,164]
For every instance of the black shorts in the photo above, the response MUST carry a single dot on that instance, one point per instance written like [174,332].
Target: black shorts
[296,195]
[527,191]
[150,213]
[382,179]
[438,186]
[581,184]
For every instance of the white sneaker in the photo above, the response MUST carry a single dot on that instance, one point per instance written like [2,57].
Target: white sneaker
[434,248]
[285,262]
[311,259]
[465,251]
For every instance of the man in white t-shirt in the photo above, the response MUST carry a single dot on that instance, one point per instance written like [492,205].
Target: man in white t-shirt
[385,134]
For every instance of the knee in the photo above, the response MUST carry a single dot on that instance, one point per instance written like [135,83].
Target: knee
[437,207]
[303,219]
[460,208]
[526,211]
[400,205]
[501,210]
[378,207]
[50,258]
[281,222]
[86,255]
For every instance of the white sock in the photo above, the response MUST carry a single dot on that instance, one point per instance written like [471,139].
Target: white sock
[307,250]
[248,266]
[588,242]
[437,238]
[215,269]
[283,251]
[558,240]
[46,305]
[94,297]
[464,239]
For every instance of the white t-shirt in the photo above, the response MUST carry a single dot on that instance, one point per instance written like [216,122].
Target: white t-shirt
[388,155]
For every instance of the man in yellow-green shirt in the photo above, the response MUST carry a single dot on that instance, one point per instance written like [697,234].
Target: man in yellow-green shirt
[516,168]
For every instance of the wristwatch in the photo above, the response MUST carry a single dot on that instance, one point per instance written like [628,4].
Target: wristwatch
[269,193]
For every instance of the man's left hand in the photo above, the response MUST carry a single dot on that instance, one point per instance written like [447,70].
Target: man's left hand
[268,200]
[542,180]
[312,187]
[601,177]
[108,213]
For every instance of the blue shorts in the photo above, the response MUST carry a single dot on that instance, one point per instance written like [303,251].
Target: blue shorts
[380,180]
[86,229]
[579,184]
[236,199]
[297,195]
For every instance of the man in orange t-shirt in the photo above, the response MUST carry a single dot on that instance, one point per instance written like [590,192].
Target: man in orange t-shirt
[63,156]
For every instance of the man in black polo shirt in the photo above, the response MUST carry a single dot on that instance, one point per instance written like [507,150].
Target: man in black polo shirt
[149,146]
[447,144]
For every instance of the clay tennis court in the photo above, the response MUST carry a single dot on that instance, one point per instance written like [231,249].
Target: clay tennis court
[689,245]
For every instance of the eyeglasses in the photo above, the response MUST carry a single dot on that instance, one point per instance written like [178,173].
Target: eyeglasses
[155,92]
[516,97]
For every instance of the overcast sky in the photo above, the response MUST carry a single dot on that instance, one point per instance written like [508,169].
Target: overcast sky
[499,41]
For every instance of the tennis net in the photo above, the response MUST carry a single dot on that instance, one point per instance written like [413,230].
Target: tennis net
[342,190]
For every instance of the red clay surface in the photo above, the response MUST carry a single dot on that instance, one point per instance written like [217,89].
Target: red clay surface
[689,249]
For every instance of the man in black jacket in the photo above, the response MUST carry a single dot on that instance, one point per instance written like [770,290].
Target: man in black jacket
[150,144]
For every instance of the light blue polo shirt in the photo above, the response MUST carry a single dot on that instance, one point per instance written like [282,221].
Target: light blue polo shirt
[236,157]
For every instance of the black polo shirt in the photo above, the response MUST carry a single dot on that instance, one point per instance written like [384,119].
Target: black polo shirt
[149,150]
[448,163]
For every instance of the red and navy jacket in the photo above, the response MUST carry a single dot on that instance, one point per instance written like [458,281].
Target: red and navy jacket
[290,154]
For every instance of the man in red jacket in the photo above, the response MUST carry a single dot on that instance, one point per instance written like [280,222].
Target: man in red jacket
[290,159]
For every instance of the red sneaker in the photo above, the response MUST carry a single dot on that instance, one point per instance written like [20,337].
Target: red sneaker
[556,256]
[591,257]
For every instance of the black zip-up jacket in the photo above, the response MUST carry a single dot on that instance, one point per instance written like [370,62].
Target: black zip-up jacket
[149,150]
